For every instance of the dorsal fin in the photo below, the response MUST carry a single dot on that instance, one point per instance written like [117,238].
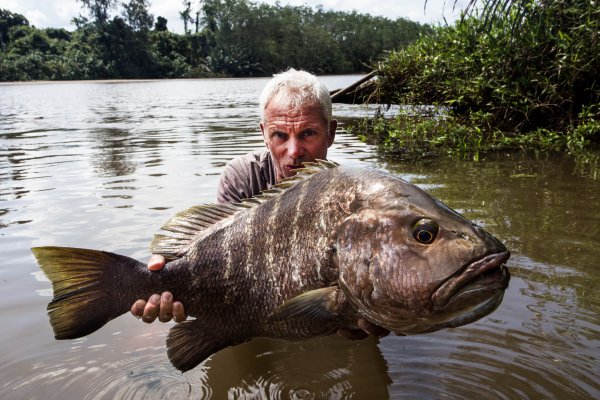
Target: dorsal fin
[185,225]
[309,169]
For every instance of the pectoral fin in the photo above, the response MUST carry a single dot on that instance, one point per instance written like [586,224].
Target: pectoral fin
[316,305]
[189,344]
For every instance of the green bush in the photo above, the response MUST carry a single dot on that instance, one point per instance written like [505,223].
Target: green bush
[537,84]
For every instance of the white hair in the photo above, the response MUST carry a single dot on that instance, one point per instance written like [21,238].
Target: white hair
[298,88]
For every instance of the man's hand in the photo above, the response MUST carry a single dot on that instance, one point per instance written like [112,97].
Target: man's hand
[366,329]
[161,306]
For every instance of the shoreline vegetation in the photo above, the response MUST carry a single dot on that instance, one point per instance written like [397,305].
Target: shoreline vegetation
[518,75]
[524,79]
[232,38]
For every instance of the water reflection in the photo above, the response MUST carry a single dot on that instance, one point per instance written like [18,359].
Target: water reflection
[320,368]
[113,156]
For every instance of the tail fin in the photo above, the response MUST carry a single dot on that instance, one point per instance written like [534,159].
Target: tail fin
[85,284]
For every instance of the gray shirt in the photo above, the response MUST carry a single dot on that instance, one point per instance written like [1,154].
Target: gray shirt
[246,176]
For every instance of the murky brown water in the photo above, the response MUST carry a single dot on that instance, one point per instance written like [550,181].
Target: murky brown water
[103,165]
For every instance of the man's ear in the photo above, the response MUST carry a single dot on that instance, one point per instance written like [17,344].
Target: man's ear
[262,130]
[332,129]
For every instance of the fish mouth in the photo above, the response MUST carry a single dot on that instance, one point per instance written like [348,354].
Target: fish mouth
[482,278]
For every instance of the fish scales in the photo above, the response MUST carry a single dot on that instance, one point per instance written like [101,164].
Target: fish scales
[272,248]
[339,244]
[278,275]
[253,281]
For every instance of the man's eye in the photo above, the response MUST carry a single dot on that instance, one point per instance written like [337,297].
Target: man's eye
[280,135]
[308,133]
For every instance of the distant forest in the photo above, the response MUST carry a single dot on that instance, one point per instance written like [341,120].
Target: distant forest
[222,38]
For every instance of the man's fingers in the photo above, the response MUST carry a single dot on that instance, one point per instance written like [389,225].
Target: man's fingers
[156,262]
[166,307]
[371,328]
[352,334]
[137,309]
[151,309]
[161,306]
[366,328]
[178,312]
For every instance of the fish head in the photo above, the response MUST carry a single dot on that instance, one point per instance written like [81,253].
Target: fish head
[411,264]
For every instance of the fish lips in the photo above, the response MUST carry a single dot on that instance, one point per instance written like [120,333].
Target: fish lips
[485,276]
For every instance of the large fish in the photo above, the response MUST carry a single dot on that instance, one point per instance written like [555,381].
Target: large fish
[312,255]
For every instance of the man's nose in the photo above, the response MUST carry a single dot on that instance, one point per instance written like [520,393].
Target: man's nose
[295,148]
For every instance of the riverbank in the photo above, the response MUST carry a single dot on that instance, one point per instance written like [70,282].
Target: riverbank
[528,79]
[412,135]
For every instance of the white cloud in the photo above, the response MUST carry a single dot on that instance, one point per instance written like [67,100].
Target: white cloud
[66,10]
[37,18]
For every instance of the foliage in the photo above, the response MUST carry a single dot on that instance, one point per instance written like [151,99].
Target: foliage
[9,20]
[417,132]
[231,38]
[99,10]
[536,86]
[264,39]
[137,16]
[161,24]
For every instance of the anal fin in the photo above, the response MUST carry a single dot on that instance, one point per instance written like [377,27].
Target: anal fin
[188,344]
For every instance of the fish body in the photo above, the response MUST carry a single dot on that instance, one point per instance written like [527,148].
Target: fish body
[319,251]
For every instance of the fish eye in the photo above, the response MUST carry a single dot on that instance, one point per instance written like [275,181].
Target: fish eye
[425,230]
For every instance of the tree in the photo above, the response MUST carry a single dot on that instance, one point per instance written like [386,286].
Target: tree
[186,16]
[99,9]
[161,24]
[7,21]
[127,53]
[137,16]
[222,37]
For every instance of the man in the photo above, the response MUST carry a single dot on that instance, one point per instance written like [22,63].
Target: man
[297,126]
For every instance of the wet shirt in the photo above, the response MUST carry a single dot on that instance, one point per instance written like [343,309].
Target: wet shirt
[246,176]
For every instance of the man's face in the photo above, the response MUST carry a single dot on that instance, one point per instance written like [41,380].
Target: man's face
[295,136]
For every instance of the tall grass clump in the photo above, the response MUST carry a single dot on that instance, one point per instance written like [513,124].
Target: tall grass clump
[526,78]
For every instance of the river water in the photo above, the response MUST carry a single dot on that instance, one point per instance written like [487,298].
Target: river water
[103,164]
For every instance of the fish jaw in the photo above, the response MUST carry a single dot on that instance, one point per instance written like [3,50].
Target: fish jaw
[485,274]
[469,295]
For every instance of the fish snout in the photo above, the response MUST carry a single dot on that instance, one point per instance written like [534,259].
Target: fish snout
[481,277]
[489,241]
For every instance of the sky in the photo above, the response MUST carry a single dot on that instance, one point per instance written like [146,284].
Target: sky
[58,13]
